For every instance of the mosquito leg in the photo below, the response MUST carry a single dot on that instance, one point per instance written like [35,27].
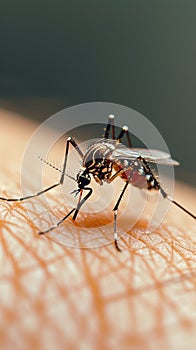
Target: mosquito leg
[57,224]
[151,180]
[115,216]
[125,131]
[71,211]
[153,183]
[110,125]
[81,202]
[74,144]
[119,172]
[30,196]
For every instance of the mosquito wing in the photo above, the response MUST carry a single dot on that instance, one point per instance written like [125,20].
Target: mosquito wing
[150,155]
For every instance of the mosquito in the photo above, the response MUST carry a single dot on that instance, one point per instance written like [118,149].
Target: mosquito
[104,161]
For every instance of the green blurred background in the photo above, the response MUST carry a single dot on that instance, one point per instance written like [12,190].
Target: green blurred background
[140,53]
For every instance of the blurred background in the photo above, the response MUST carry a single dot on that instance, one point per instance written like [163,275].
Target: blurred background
[141,54]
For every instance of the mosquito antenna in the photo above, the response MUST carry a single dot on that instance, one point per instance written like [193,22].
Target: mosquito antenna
[165,195]
[54,167]
[49,164]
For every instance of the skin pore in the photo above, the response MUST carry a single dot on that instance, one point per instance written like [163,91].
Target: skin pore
[56,297]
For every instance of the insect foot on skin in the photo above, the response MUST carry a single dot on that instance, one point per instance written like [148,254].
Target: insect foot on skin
[104,161]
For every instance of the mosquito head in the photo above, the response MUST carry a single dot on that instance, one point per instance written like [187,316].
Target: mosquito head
[83,179]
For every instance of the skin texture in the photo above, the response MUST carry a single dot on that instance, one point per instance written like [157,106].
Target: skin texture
[56,297]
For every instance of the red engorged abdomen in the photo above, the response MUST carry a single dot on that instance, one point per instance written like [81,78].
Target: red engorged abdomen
[135,179]
[138,180]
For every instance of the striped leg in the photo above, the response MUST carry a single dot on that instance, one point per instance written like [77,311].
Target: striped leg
[74,144]
[124,131]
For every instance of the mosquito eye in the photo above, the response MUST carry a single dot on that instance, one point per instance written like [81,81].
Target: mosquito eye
[86,180]
[83,180]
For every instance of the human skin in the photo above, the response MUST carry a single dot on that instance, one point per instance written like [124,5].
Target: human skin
[58,297]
